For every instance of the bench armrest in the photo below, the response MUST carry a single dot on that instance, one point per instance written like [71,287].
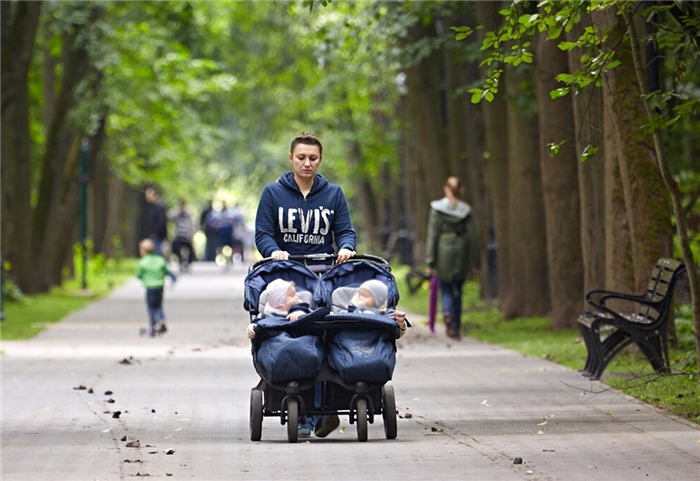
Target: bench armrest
[656,305]
[595,298]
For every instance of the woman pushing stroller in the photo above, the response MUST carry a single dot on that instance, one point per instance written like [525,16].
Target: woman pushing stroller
[302,213]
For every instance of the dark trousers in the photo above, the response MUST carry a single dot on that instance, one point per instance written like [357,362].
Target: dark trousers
[154,302]
[178,245]
[210,249]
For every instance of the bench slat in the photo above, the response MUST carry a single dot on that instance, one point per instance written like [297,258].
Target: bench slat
[657,291]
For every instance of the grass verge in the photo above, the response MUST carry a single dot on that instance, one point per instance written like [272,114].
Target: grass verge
[27,317]
[679,393]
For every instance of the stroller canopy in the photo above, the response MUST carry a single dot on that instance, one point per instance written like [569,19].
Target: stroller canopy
[257,280]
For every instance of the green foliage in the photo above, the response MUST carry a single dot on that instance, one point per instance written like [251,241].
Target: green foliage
[511,43]
[554,148]
[11,291]
[26,319]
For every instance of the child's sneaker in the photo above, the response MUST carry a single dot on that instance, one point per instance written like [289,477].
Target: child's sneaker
[304,432]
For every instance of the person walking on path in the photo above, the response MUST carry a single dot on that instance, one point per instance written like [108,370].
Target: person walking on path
[300,214]
[152,270]
[157,228]
[238,220]
[184,232]
[452,251]
[210,247]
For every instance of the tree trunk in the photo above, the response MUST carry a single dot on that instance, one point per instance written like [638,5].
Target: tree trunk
[57,205]
[19,25]
[428,160]
[49,79]
[456,112]
[365,200]
[99,196]
[671,185]
[16,187]
[529,286]
[646,200]
[588,121]
[560,188]
[414,193]
[619,265]
[427,117]
[496,160]
[114,213]
[465,133]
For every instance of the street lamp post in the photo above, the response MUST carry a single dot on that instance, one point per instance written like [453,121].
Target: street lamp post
[84,178]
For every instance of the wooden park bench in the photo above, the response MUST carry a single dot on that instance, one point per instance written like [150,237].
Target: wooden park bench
[647,327]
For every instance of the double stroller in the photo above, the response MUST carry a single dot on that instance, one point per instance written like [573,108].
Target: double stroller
[330,361]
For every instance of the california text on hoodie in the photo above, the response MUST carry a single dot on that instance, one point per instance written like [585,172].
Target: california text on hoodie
[287,221]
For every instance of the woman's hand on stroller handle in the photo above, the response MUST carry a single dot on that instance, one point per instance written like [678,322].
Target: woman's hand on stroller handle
[280,255]
[345,255]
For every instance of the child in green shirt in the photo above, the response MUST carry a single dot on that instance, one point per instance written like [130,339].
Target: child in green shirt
[152,270]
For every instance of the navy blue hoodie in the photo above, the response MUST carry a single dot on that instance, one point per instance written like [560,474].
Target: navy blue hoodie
[287,222]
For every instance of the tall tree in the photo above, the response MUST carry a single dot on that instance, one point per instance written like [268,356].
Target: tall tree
[54,218]
[646,199]
[528,284]
[496,158]
[588,122]
[560,185]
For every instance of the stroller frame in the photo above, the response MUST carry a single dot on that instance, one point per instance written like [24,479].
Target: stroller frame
[360,401]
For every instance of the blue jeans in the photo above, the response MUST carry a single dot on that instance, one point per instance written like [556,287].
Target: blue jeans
[451,298]
[210,249]
[159,246]
[154,302]
[312,421]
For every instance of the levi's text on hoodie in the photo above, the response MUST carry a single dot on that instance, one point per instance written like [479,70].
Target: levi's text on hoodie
[285,221]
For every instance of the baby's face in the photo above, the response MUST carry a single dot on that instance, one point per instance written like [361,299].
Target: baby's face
[291,298]
[364,298]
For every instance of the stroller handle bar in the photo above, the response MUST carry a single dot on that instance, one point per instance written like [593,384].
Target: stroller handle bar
[324,257]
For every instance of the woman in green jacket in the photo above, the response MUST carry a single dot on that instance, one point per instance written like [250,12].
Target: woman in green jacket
[452,251]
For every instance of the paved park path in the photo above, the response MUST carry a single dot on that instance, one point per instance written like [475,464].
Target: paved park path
[474,407]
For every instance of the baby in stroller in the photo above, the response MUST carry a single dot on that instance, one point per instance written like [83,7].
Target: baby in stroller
[370,298]
[282,301]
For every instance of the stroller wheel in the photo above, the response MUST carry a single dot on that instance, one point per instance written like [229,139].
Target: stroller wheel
[256,414]
[389,411]
[292,420]
[362,420]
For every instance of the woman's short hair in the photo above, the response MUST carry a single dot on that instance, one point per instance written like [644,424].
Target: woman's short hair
[308,139]
[455,186]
